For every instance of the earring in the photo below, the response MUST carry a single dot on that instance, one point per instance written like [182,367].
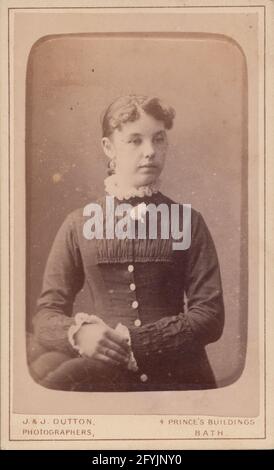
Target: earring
[112,164]
[111,167]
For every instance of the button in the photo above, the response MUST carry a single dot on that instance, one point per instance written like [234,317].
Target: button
[132,286]
[130,268]
[143,378]
[135,304]
[137,322]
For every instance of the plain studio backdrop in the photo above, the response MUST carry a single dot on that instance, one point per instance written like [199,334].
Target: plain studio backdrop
[71,79]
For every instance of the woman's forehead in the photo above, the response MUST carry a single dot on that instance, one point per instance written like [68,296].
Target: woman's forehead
[144,125]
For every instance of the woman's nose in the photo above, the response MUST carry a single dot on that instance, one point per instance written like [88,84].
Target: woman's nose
[148,150]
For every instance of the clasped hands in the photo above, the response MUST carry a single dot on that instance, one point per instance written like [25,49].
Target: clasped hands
[105,345]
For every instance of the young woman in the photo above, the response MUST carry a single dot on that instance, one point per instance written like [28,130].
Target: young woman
[154,309]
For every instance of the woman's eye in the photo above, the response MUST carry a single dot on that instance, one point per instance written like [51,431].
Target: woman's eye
[136,141]
[159,139]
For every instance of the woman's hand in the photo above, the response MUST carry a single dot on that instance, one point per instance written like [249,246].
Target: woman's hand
[99,341]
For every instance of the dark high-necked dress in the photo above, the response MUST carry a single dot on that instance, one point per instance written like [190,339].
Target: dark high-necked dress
[170,300]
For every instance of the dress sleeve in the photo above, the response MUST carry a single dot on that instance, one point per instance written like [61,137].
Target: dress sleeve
[203,319]
[63,278]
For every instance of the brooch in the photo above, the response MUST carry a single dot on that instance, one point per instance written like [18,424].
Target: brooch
[139,212]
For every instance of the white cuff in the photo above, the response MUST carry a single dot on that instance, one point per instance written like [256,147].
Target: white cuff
[80,319]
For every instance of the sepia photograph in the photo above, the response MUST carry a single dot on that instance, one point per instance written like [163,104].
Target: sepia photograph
[167,301]
[136,198]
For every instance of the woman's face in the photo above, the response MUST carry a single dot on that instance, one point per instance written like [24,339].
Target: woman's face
[139,149]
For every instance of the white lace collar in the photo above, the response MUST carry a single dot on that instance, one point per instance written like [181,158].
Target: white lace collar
[119,190]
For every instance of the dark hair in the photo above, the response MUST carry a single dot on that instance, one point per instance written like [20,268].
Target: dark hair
[128,108]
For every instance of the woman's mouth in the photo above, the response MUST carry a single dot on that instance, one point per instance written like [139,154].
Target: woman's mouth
[148,167]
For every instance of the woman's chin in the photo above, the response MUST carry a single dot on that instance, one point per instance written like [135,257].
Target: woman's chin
[146,180]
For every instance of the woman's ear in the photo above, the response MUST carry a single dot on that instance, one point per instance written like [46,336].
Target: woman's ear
[108,147]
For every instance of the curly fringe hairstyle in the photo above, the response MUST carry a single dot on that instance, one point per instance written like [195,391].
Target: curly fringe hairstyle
[129,108]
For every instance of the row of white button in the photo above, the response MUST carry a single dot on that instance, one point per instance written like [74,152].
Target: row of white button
[135,303]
